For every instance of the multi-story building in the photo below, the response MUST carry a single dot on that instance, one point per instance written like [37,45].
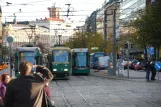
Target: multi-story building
[91,22]
[110,7]
[23,34]
[96,22]
[57,27]
[100,20]
[128,7]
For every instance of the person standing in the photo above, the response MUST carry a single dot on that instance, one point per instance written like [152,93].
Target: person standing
[153,70]
[147,69]
[5,78]
[27,90]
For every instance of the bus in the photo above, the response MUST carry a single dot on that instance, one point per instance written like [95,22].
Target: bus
[31,54]
[80,61]
[59,61]
[94,59]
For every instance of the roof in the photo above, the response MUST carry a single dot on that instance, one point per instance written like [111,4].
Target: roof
[19,22]
[96,53]
[60,48]
[54,19]
[80,50]
[28,48]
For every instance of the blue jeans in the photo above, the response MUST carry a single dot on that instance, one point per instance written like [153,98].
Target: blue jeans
[147,74]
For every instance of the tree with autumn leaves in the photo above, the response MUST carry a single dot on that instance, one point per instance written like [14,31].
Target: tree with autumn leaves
[86,40]
[148,28]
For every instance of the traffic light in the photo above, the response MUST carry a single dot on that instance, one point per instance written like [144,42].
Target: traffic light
[126,46]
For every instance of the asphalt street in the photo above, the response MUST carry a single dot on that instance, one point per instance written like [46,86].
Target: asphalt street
[93,91]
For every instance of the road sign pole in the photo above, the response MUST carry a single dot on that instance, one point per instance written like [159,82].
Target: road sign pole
[128,52]
[10,40]
[158,74]
[10,54]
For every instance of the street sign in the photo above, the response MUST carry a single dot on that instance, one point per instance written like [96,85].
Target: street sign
[94,48]
[157,66]
[150,50]
[9,39]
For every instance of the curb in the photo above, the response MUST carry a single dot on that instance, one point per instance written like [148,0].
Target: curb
[124,78]
[111,77]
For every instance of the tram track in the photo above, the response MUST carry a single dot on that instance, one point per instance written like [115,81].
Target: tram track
[63,95]
[91,105]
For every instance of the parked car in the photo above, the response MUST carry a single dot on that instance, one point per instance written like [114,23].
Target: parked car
[133,63]
[139,66]
[125,63]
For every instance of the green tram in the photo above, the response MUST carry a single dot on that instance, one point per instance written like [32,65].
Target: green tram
[59,61]
[31,54]
[80,61]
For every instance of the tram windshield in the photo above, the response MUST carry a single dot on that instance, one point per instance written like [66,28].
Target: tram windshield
[28,56]
[60,56]
[81,58]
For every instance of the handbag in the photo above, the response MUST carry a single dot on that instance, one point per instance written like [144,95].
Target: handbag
[50,102]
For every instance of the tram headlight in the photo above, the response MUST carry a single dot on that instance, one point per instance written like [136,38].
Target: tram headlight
[65,69]
[54,69]
[19,72]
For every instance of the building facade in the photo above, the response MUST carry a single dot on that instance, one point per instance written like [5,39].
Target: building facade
[110,7]
[56,28]
[23,34]
[54,12]
[100,20]
[90,22]
[128,7]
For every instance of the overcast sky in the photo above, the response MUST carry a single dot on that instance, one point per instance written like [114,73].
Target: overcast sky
[32,9]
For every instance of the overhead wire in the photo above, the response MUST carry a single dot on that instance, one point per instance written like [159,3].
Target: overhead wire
[66,11]
[27,3]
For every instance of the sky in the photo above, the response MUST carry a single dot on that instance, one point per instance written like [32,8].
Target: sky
[32,9]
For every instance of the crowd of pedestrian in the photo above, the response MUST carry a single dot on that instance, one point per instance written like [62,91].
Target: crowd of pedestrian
[27,90]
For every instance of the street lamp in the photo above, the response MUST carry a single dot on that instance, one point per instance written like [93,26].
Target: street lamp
[36,38]
[114,38]
[30,37]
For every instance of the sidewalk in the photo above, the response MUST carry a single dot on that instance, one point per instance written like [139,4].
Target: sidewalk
[132,74]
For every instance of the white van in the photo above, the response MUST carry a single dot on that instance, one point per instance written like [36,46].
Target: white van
[103,62]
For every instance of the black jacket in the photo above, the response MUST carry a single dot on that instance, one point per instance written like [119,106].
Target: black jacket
[28,91]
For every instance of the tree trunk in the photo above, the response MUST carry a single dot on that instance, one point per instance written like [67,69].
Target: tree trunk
[145,53]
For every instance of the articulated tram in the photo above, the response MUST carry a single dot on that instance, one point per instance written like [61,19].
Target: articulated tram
[59,61]
[80,61]
[31,54]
